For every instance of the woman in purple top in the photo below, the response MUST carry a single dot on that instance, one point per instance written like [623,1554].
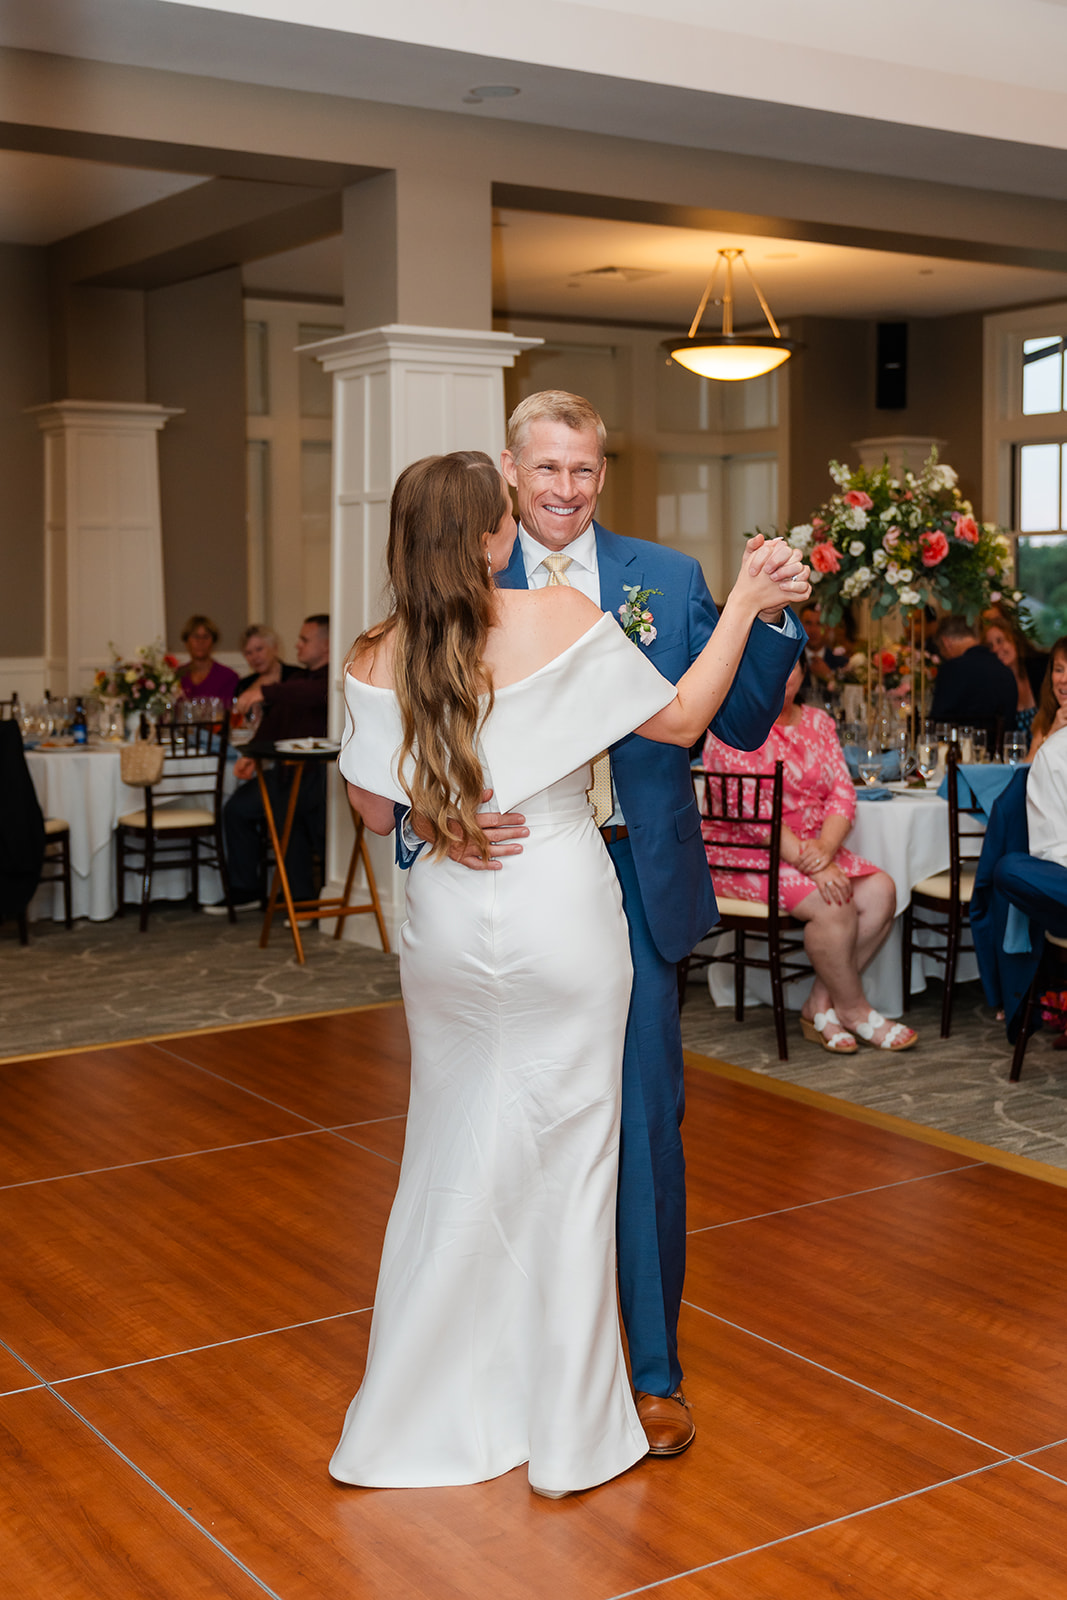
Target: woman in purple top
[201,677]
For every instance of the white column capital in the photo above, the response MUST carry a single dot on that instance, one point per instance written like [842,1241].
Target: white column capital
[398,341]
[113,415]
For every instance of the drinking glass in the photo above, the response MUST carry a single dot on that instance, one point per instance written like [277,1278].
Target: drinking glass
[870,763]
[1016,745]
[905,754]
[980,742]
[926,755]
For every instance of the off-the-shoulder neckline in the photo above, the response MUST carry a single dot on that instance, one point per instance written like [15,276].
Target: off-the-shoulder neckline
[518,683]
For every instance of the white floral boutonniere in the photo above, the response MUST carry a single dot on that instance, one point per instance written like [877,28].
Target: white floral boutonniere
[636,617]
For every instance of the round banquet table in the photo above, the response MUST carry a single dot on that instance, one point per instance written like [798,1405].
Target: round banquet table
[84,786]
[907,836]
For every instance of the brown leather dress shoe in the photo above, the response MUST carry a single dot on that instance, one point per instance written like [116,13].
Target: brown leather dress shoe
[667,1421]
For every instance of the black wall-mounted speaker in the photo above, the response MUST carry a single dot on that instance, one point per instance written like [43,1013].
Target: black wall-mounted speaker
[891,367]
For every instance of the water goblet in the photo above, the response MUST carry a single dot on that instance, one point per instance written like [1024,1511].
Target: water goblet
[870,763]
[1016,745]
[926,755]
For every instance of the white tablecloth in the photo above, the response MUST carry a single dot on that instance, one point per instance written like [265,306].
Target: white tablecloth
[906,836]
[85,788]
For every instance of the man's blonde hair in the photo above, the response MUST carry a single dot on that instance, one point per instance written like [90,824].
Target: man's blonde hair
[554,405]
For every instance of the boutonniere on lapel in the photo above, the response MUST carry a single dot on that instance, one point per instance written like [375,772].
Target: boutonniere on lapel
[635,616]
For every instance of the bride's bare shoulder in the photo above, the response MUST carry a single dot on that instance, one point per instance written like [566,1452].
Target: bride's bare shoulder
[533,627]
[372,657]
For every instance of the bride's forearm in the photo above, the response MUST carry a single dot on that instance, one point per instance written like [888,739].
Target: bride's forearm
[702,690]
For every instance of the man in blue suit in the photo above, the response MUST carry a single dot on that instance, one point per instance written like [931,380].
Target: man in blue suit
[555,462]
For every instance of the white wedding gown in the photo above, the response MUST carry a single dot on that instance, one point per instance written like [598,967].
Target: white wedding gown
[495,1337]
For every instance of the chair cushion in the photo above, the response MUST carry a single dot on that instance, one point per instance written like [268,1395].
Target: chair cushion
[165,818]
[729,907]
[939,887]
[56,825]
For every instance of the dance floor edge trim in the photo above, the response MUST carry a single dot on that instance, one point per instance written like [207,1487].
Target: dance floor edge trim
[918,1131]
[192,1033]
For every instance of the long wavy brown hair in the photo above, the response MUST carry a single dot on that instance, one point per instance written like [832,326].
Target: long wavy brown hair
[1047,704]
[441,509]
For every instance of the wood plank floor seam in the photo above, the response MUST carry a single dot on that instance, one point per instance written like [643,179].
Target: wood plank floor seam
[855,1383]
[803,1533]
[831,1199]
[193,1350]
[150,1482]
[311,1132]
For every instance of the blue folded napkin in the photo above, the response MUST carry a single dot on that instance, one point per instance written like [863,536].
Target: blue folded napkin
[890,769]
[874,793]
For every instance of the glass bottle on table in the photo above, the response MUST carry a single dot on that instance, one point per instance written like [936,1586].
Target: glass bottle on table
[79,723]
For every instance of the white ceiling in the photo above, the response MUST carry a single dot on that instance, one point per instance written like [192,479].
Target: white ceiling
[539,261]
[45,198]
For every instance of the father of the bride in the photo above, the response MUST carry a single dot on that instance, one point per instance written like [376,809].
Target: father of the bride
[556,463]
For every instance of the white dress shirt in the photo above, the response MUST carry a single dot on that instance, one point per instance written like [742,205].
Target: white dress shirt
[1046,800]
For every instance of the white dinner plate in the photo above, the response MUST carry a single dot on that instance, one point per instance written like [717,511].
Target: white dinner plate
[913,794]
[295,747]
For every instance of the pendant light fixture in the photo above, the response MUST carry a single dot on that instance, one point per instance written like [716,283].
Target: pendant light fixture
[730,356]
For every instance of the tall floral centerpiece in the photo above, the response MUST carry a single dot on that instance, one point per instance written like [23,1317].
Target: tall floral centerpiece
[903,542]
[148,682]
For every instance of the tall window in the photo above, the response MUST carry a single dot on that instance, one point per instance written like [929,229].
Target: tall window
[289,406]
[1026,453]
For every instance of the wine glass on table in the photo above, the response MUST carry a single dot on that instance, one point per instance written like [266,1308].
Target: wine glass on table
[869,764]
[1016,745]
[926,756]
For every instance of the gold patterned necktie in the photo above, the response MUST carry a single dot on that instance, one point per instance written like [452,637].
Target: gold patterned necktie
[600,789]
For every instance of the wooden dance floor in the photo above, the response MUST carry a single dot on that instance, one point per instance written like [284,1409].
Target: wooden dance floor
[875,1336]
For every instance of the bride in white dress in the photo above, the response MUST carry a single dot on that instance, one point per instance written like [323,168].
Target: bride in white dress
[495,1337]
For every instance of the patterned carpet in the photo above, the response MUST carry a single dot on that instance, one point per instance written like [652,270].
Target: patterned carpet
[103,982]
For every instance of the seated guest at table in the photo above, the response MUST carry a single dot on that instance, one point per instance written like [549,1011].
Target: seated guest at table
[260,646]
[847,903]
[972,687]
[824,658]
[1052,701]
[201,677]
[295,709]
[1014,650]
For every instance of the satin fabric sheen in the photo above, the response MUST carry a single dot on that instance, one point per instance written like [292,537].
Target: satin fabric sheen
[495,1338]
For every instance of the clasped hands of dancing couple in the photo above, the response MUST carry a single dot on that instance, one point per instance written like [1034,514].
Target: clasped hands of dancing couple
[495,1339]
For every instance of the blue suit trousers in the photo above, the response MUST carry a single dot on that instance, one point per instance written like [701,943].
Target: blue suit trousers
[651,1203]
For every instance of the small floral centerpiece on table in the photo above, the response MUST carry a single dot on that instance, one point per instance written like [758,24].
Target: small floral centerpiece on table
[147,683]
[904,542]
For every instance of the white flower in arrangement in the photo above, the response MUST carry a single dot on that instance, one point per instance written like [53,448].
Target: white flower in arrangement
[841,475]
[906,575]
[855,517]
[814,577]
[888,515]
[857,547]
[857,663]
[801,536]
[880,559]
[892,572]
[908,597]
[943,477]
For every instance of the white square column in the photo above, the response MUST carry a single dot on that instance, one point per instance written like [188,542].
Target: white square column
[400,393]
[103,535]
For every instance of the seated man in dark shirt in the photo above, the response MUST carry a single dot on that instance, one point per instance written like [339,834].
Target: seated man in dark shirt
[295,709]
[972,688]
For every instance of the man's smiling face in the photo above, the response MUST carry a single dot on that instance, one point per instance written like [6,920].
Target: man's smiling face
[557,475]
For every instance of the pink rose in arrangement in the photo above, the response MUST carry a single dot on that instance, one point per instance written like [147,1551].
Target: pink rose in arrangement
[967,528]
[824,558]
[817,523]
[890,538]
[934,547]
[859,499]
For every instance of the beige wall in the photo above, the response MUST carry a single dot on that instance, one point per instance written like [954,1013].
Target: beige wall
[23,382]
[195,359]
[832,383]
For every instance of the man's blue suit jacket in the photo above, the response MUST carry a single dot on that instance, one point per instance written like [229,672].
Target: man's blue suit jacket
[653,781]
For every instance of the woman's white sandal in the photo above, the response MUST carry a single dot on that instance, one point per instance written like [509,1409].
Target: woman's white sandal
[867,1030]
[840,1043]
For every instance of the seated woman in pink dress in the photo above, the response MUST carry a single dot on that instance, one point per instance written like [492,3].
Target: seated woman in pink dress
[847,903]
